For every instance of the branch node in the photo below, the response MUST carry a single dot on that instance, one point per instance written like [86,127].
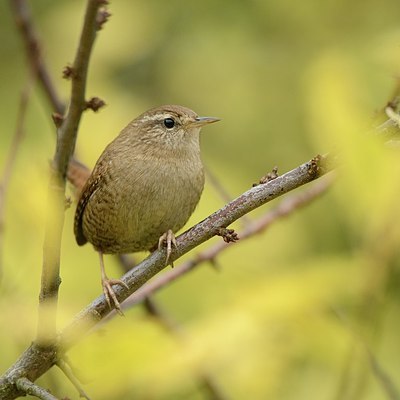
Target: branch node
[229,235]
[68,72]
[57,119]
[94,104]
[68,202]
[102,16]
[268,177]
[315,166]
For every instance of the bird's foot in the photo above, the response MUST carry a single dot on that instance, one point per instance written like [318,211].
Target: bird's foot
[109,293]
[168,238]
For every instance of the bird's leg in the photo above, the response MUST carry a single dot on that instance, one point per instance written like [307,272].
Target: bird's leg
[169,239]
[107,287]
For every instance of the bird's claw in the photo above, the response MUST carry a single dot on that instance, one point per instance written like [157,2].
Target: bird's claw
[169,239]
[109,293]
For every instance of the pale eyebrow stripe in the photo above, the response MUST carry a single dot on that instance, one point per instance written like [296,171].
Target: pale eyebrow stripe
[157,117]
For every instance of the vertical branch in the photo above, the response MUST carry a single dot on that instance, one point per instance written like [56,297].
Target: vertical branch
[66,138]
[10,161]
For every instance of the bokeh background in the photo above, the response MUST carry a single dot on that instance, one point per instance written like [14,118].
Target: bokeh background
[307,310]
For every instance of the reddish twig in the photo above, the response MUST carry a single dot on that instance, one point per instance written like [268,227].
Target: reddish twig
[23,19]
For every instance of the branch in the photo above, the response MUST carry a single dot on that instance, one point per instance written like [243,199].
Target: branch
[40,356]
[221,190]
[205,380]
[37,359]
[67,370]
[56,192]
[10,161]
[155,262]
[68,130]
[26,386]
[383,378]
[286,207]
[23,20]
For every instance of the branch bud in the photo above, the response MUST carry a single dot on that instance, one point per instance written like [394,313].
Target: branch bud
[95,103]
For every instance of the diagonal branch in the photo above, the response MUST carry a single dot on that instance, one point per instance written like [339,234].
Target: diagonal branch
[67,370]
[286,207]
[22,16]
[36,360]
[200,233]
[28,387]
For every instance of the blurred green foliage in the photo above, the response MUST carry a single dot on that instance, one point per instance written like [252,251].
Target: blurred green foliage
[293,313]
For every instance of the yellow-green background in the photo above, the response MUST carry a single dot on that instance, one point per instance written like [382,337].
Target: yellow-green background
[291,314]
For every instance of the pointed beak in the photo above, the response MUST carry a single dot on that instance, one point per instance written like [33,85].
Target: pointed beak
[201,121]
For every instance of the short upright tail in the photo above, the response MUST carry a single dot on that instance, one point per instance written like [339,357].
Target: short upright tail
[77,174]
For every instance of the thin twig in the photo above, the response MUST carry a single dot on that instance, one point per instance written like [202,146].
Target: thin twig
[65,368]
[10,161]
[28,387]
[206,381]
[383,378]
[155,311]
[23,19]
[379,262]
[284,208]
[213,389]
[221,190]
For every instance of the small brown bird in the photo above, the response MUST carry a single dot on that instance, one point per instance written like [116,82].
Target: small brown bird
[143,188]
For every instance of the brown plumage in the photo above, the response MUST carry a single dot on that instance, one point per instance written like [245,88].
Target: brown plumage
[145,185]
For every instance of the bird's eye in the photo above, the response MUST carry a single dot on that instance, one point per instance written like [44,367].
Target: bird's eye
[169,123]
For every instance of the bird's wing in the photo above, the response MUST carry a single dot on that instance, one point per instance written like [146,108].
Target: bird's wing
[88,190]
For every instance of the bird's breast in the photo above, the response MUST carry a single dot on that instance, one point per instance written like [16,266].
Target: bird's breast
[140,201]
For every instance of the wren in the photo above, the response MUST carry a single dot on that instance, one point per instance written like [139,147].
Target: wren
[144,187]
